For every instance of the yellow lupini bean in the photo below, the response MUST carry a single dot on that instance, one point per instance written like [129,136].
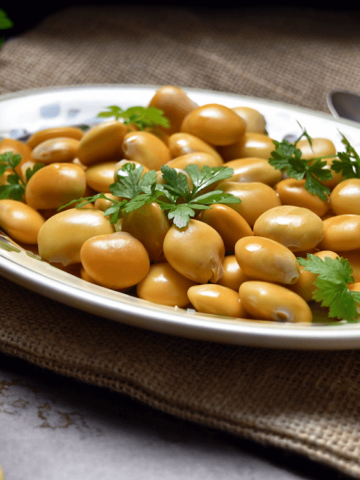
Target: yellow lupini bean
[321,147]
[341,233]
[149,225]
[175,104]
[229,224]
[16,147]
[268,301]
[56,132]
[147,149]
[116,260]
[217,300]
[201,159]
[195,251]
[21,222]
[253,170]
[215,124]
[345,198]
[56,150]
[100,177]
[165,286]
[62,236]
[293,192]
[298,229]
[263,259]
[254,120]
[256,198]
[184,143]
[102,143]
[55,185]
[250,145]
[233,275]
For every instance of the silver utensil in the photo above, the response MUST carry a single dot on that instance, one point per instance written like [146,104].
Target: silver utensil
[343,104]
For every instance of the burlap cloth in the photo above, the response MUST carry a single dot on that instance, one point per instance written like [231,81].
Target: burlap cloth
[308,402]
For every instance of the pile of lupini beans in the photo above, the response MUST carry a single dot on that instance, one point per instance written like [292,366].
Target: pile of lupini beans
[232,260]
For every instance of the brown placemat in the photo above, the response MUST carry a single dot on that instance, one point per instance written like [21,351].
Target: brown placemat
[308,402]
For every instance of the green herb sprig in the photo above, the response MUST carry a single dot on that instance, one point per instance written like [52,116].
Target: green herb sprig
[15,188]
[288,158]
[140,116]
[349,161]
[332,285]
[175,197]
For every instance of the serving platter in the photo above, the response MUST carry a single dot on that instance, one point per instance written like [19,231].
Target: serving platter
[23,113]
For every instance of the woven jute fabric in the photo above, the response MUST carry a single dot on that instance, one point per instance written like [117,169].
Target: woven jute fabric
[308,402]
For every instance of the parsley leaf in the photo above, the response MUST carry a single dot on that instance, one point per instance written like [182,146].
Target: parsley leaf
[15,188]
[208,176]
[288,157]
[177,183]
[141,116]
[332,285]
[349,162]
[130,183]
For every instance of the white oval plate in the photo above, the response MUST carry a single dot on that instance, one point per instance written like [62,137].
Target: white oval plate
[28,111]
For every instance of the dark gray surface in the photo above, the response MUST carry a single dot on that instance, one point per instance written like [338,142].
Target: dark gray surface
[55,428]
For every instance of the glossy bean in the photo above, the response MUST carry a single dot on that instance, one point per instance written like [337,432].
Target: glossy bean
[256,198]
[215,124]
[165,286]
[200,159]
[345,198]
[253,170]
[149,225]
[116,260]
[103,143]
[233,275]
[55,185]
[48,133]
[263,259]
[293,192]
[21,222]
[268,301]
[100,177]
[195,251]
[62,236]
[341,233]
[184,143]
[175,104]
[147,149]
[56,150]
[217,300]
[15,146]
[229,224]
[254,120]
[321,147]
[251,145]
[296,228]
